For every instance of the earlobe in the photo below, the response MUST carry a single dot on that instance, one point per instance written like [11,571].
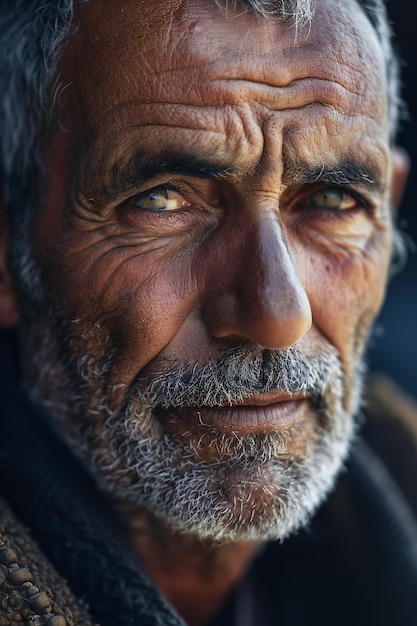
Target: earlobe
[8,302]
[400,169]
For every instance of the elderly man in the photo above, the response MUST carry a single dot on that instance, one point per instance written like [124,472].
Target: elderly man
[197,226]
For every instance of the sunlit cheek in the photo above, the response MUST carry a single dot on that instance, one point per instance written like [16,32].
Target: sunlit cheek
[375,275]
[342,239]
[346,282]
[145,310]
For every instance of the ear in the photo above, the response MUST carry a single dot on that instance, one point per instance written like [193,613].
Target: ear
[8,300]
[400,169]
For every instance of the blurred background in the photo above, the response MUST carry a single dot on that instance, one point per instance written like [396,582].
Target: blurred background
[393,347]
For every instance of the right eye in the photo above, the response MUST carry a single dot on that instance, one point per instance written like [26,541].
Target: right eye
[332,199]
[162,198]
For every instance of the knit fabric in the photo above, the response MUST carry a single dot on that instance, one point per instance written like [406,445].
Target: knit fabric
[31,591]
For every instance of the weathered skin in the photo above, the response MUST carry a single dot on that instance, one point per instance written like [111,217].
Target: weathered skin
[244,256]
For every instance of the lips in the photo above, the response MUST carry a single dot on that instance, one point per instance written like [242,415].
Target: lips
[277,411]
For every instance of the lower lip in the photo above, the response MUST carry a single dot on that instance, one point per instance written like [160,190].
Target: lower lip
[281,414]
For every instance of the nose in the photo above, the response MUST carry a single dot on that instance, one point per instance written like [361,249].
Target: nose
[261,298]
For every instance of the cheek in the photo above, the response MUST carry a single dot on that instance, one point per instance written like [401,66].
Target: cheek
[126,308]
[346,293]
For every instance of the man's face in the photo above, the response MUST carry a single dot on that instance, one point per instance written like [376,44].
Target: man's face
[212,253]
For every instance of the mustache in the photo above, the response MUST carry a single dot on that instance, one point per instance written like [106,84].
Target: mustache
[240,373]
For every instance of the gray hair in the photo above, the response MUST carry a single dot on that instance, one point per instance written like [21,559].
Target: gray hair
[32,34]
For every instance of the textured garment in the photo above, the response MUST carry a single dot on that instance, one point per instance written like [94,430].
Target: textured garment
[65,560]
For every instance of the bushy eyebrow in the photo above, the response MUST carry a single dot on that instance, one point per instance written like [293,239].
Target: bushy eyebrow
[141,168]
[344,173]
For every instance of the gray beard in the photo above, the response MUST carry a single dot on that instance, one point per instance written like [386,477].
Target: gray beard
[253,488]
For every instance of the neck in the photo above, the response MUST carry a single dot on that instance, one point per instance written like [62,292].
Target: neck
[194,575]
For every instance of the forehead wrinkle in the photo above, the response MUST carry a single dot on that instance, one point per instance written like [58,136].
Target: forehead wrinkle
[296,95]
[228,136]
[133,109]
[268,58]
[270,70]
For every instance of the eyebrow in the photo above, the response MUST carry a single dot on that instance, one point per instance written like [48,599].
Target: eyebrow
[141,168]
[345,173]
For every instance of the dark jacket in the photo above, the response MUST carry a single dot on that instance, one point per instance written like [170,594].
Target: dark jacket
[64,559]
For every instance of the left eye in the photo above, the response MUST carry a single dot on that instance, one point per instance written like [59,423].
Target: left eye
[332,199]
[160,199]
